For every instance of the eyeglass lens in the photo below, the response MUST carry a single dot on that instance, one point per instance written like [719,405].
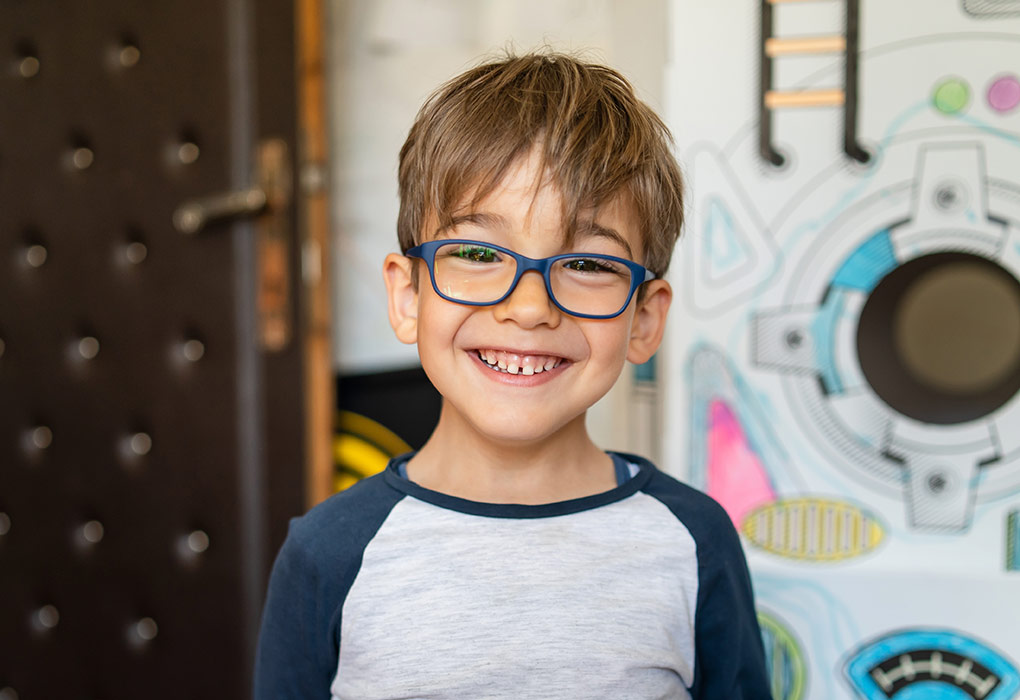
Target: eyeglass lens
[584,284]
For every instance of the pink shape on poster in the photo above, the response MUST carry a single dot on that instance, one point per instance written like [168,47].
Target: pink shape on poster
[1004,93]
[736,476]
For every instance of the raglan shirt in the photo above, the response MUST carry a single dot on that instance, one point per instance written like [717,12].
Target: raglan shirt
[389,590]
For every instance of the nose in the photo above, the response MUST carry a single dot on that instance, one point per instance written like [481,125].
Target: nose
[529,304]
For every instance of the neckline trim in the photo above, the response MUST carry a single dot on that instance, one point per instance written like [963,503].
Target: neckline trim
[520,510]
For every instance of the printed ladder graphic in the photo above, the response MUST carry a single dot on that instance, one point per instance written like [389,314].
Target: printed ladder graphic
[771,99]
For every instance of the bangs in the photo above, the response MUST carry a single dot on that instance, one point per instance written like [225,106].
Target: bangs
[594,139]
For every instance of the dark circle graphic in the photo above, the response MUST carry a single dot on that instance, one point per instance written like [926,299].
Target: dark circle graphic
[939,338]
[937,482]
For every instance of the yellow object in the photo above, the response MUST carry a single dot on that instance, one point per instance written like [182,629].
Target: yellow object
[362,447]
[813,529]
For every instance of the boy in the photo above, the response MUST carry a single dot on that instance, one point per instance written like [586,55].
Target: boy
[510,557]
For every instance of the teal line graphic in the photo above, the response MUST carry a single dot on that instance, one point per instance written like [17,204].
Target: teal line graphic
[823,331]
[852,193]
[725,249]
[824,627]
[722,381]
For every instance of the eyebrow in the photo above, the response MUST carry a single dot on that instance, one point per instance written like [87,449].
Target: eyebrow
[594,229]
[495,221]
[479,218]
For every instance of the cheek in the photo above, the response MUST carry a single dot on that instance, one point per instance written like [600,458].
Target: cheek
[438,322]
[609,340]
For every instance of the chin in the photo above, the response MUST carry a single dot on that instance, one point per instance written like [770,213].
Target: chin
[519,433]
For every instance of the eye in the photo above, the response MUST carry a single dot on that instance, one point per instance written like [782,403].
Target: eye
[475,253]
[592,265]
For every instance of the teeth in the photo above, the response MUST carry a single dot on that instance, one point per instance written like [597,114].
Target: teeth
[512,363]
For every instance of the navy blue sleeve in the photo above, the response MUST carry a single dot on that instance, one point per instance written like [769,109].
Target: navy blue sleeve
[296,656]
[729,657]
[299,641]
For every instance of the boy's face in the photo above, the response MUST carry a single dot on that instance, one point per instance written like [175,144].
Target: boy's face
[580,358]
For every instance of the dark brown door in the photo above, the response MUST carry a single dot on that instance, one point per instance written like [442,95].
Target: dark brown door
[151,412]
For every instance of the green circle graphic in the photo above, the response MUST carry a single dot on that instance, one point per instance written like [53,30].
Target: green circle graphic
[784,658]
[951,95]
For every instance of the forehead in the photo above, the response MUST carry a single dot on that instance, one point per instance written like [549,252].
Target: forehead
[527,202]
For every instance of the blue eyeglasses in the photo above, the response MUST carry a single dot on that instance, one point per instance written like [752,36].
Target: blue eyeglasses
[482,274]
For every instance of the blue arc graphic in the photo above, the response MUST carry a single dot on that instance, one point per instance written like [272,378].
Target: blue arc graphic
[931,665]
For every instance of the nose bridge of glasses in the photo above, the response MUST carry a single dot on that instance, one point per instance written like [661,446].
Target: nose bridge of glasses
[528,288]
[524,265]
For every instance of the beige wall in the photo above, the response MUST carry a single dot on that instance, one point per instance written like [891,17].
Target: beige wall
[385,57]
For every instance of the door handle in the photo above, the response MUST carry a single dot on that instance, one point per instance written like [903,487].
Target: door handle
[269,199]
[192,216]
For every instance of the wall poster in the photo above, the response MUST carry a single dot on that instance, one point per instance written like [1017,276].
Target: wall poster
[843,367]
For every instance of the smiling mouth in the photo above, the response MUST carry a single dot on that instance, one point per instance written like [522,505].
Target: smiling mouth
[514,363]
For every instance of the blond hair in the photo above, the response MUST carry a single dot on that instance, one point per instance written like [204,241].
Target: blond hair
[596,140]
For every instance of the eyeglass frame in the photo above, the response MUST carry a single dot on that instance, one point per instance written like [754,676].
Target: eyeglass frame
[639,274]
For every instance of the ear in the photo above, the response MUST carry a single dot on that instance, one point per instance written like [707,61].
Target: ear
[402,297]
[649,321]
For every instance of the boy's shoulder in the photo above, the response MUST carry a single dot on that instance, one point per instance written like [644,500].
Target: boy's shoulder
[704,518]
[676,494]
[346,517]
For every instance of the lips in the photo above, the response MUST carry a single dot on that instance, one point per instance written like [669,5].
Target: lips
[518,363]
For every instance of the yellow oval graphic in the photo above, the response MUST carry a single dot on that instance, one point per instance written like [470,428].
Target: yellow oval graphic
[813,529]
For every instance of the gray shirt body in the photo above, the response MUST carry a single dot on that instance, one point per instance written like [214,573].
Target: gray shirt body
[407,593]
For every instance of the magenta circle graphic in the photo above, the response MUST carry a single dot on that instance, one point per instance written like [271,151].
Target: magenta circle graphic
[1004,93]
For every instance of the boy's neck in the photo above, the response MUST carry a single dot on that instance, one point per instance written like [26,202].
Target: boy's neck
[459,461]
